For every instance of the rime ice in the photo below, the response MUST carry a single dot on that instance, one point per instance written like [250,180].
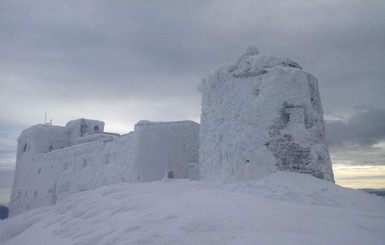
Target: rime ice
[260,115]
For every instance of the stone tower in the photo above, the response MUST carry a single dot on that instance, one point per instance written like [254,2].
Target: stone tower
[261,115]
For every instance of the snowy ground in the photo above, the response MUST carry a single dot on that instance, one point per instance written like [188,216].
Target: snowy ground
[285,208]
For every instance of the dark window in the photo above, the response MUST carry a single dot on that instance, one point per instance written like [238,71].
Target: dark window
[25,148]
[170,175]
[96,128]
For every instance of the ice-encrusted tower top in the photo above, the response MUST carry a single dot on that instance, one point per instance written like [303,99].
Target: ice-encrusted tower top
[260,115]
[252,50]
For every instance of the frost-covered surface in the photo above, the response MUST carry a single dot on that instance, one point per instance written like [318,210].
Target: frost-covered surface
[80,128]
[283,208]
[54,162]
[260,115]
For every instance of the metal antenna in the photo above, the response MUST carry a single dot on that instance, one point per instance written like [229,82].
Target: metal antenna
[45,118]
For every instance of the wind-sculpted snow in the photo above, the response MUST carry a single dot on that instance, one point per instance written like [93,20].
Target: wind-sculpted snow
[260,115]
[283,208]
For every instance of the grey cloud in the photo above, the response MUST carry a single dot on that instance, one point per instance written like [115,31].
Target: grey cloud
[80,43]
[8,136]
[6,181]
[366,127]
[356,155]
[6,178]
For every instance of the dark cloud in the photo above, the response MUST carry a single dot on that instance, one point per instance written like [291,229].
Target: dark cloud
[83,45]
[365,127]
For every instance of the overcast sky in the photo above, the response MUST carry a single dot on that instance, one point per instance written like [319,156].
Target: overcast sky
[123,61]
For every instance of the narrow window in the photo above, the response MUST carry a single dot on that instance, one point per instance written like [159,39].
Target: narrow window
[170,174]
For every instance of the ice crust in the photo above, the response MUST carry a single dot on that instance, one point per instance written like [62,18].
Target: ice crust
[54,162]
[260,115]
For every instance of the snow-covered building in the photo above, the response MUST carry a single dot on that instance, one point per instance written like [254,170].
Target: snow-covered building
[54,162]
[260,115]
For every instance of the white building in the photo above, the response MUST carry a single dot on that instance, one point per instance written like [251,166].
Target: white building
[53,162]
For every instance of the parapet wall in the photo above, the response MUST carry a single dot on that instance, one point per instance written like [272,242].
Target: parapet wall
[44,177]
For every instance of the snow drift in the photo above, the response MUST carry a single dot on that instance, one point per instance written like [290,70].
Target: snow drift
[283,208]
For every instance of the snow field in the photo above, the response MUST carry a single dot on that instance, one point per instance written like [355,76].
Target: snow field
[273,210]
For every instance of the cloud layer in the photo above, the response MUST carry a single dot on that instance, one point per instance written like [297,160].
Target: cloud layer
[57,55]
[366,127]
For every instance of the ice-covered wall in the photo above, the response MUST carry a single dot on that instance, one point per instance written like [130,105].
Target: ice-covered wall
[80,128]
[174,144]
[260,115]
[87,160]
